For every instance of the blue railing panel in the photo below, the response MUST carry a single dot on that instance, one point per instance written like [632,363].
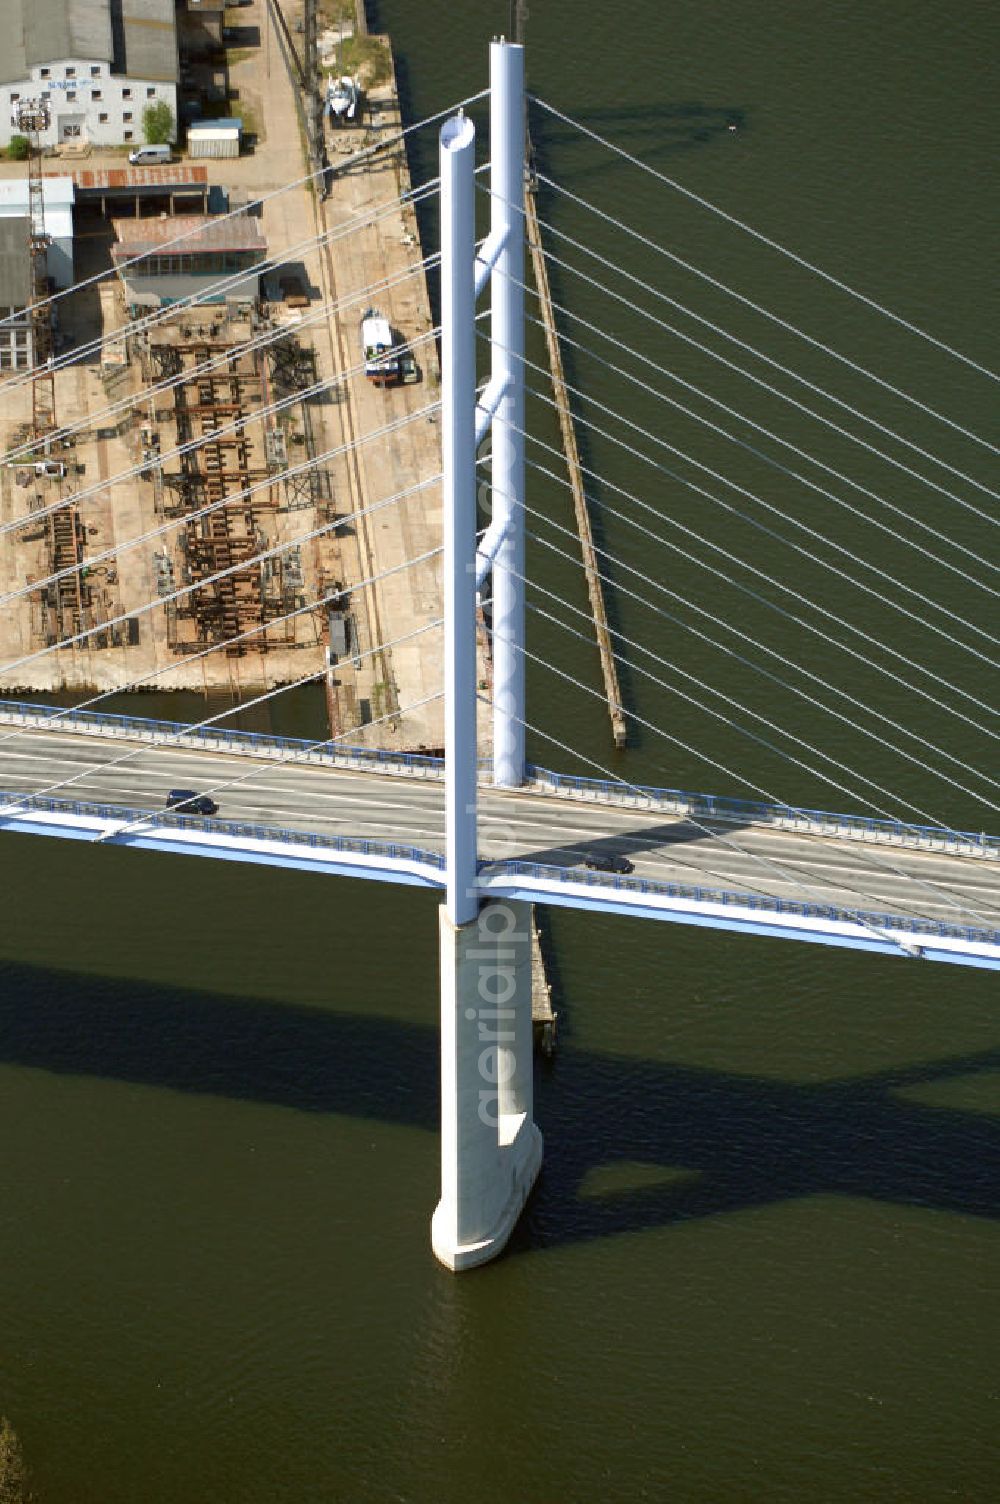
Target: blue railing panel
[698,894]
[533,870]
[697,805]
[142,726]
[723,807]
[238,828]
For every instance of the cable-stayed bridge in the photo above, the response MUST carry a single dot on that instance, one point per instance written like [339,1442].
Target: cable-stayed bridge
[725,864]
[499,834]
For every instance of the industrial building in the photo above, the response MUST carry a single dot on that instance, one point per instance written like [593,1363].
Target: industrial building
[96,64]
[15,295]
[15,260]
[58,195]
[175,189]
[185,256]
[200,23]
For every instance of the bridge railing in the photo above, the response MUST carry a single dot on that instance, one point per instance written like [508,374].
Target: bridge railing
[676,802]
[699,894]
[11,802]
[262,744]
[730,811]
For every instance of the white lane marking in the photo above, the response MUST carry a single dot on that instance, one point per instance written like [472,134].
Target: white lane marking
[98,775]
[851,866]
[847,865]
[609,811]
[664,871]
[221,761]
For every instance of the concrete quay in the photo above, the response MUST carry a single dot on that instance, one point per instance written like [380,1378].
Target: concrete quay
[396,686]
[407,676]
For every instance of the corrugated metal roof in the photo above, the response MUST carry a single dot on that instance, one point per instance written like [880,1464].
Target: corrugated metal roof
[44,31]
[58,204]
[150,39]
[57,192]
[202,233]
[39,32]
[15,263]
[179,175]
[227,124]
[54,29]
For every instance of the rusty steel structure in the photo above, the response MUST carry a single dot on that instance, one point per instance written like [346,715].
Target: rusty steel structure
[235,531]
[68,597]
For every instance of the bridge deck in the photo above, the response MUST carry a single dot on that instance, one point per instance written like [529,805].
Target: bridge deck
[514,826]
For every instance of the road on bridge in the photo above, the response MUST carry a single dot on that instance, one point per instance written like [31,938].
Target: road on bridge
[527,826]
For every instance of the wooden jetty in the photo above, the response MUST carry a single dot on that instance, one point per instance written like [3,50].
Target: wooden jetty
[595,586]
[543,1015]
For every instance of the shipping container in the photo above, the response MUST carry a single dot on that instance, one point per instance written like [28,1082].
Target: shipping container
[214,138]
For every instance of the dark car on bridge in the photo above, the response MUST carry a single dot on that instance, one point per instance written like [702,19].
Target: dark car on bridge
[598,862]
[190,802]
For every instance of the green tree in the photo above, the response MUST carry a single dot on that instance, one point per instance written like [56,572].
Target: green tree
[13,1475]
[158,123]
[18,148]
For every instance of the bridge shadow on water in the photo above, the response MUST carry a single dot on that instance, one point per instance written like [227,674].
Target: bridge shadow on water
[740,1141]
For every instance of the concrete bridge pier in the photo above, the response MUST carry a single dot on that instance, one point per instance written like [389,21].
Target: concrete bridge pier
[491,1148]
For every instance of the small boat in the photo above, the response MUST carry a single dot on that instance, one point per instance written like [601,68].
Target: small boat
[342,99]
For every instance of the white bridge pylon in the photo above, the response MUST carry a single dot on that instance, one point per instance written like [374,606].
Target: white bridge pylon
[491,1149]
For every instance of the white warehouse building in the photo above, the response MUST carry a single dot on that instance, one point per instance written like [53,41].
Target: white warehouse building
[98,64]
[15,259]
[58,194]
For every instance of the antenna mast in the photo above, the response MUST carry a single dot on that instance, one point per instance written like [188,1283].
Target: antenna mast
[32,117]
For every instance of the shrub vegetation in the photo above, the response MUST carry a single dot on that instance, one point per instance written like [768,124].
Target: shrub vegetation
[158,123]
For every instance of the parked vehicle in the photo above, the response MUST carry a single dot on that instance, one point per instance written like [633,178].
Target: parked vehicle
[380,353]
[190,802]
[149,156]
[598,862]
[54,468]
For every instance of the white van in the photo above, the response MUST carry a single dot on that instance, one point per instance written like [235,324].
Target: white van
[146,156]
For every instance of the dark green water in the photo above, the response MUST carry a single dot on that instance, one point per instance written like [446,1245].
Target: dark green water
[761,1263]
